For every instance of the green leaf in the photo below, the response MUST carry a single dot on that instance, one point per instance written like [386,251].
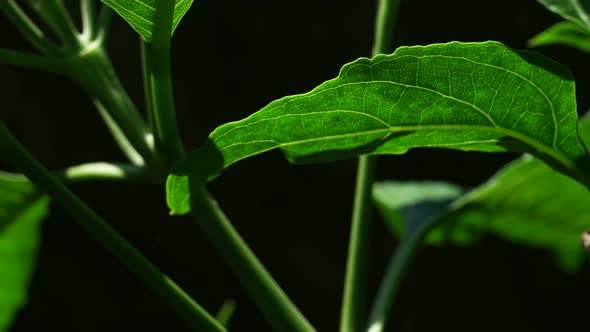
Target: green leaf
[526,202]
[21,210]
[140,14]
[565,33]
[468,96]
[575,11]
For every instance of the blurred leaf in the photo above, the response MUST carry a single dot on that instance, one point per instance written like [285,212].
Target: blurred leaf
[140,14]
[565,33]
[575,11]
[526,202]
[21,210]
[467,96]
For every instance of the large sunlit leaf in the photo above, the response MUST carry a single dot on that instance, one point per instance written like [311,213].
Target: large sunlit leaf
[21,210]
[140,14]
[526,202]
[467,96]
[566,33]
[575,11]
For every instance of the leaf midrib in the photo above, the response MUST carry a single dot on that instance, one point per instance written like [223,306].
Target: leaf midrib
[540,146]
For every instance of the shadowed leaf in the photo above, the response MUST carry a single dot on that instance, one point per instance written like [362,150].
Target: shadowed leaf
[526,202]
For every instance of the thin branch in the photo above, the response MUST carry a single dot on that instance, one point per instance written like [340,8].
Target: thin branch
[27,28]
[105,19]
[118,134]
[88,14]
[33,61]
[97,171]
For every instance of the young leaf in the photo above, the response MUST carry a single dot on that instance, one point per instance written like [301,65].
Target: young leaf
[566,33]
[575,11]
[140,14]
[526,202]
[468,96]
[21,210]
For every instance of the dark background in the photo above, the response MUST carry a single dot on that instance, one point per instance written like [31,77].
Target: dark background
[230,59]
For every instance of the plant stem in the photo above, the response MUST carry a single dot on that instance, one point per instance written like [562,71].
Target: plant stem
[54,13]
[277,308]
[94,72]
[88,14]
[33,61]
[354,302]
[167,137]
[146,71]
[16,155]
[384,25]
[27,28]
[93,172]
[105,19]
[118,135]
[396,270]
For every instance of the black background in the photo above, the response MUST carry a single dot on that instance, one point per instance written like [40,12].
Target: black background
[230,59]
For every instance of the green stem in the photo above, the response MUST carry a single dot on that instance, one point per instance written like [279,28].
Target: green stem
[54,13]
[118,134]
[88,14]
[354,313]
[396,270]
[146,71]
[97,171]
[354,302]
[33,61]
[15,154]
[94,72]
[105,19]
[167,137]
[384,25]
[277,308]
[27,28]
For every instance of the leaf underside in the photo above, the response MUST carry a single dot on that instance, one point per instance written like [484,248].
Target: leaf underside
[140,14]
[526,202]
[468,96]
[21,210]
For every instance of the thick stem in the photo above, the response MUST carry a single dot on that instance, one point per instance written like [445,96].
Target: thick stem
[396,270]
[16,155]
[354,310]
[276,307]
[167,137]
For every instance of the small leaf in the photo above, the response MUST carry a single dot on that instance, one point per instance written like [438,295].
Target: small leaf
[140,14]
[575,11]
[21,210]
[467,96]
[565,33]
[526,202]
